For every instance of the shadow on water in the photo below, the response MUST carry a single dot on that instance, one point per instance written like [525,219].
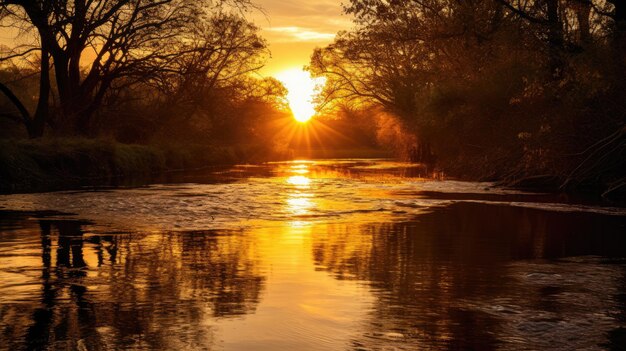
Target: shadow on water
[124,291]
[468,276]
[473,276]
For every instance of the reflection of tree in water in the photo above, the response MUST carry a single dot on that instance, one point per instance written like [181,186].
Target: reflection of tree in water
[69,267]
[449,279]
[149,291]
[225,269]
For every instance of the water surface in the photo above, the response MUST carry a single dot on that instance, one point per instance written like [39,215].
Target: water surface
[332,255]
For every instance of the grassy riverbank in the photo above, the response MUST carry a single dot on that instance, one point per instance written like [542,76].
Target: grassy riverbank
[66,163]
[49,164]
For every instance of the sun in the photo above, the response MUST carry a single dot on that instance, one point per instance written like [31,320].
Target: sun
[301,88]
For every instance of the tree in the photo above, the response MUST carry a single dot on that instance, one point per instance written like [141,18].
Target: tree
[499,89]
[400,50]
[567,25]
[218,53]
[362,68]
[96,43]
[35,122]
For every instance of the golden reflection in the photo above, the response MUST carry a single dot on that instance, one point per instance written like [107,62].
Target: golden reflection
[299,205]
[300,169]
[296,286]
[296,298]
[299,201]
[299,224]
[299,181]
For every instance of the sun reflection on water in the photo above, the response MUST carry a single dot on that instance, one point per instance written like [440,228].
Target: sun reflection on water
[299,205]
[299,199]
[300,169]
[299,181]
[338,271]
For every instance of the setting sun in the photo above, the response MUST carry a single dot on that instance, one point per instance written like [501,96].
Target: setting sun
[302,89]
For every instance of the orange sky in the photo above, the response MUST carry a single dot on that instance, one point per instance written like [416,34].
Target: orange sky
[293,28]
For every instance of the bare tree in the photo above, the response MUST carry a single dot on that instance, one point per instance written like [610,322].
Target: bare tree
[95,43]
[399,48]
[35,121]
[217,53]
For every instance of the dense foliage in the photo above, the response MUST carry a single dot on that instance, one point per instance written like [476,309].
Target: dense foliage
[529,90]
[136,71]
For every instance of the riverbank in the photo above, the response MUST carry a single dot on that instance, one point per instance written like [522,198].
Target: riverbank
[56,164]
[598,172]
[69,163]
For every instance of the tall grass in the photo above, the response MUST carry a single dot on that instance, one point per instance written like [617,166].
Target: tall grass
[27,165]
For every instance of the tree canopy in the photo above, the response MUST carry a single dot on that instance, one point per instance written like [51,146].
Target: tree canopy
[90,49]
[494,89]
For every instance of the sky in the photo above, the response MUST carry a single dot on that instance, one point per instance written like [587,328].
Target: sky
[293,28]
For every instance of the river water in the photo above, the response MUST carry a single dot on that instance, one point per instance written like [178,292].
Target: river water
[310,255]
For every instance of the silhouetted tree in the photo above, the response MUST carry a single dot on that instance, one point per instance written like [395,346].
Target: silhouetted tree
[219,53]
[96,44]
[399,51]
[496,89]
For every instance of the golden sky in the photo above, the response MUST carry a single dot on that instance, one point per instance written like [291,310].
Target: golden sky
[293,28]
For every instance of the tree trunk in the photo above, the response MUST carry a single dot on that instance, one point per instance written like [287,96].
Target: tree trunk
[422,153]
[35,125]
[43,107]
[582,8]
[24,114]
[555,39]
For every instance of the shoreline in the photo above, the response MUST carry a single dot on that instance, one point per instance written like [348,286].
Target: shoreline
[70,164]
[59,164]
[64,164]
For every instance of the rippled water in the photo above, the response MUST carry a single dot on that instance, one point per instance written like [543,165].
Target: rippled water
[333,255]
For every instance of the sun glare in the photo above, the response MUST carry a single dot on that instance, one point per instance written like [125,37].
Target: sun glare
[301,91]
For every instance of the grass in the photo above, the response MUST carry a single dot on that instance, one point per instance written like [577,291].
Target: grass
[62,163]
[66,163]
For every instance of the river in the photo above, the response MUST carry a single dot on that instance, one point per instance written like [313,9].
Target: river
[310,255]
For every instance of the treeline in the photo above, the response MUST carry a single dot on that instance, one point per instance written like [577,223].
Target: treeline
[527,91]
[136,71]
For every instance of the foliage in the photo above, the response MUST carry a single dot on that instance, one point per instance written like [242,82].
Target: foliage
[87,52]
[174,73]
[490,89]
